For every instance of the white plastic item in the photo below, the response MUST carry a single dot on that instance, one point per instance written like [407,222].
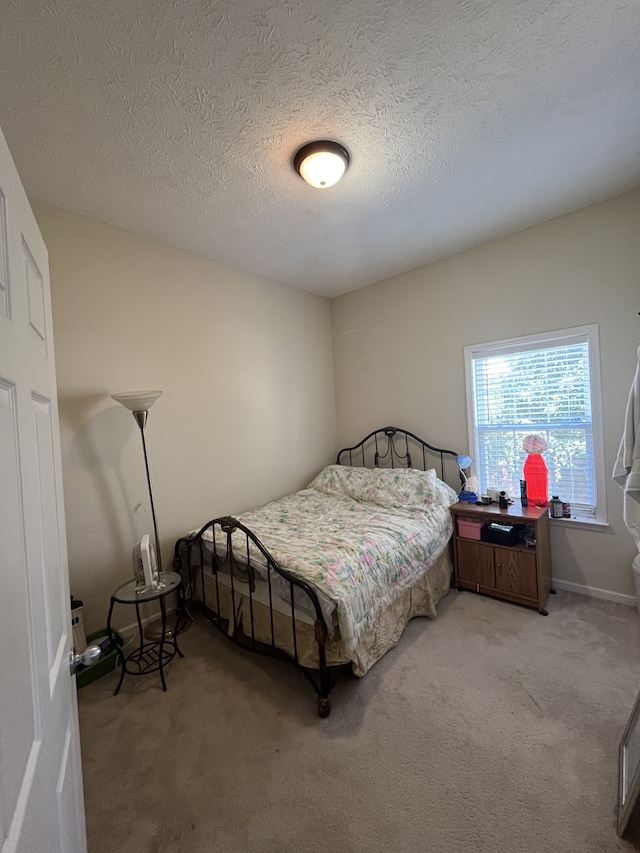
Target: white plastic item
[145,569]
[79,637]
[635,565]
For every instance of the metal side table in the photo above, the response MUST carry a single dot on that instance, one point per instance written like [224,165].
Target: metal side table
[150,656]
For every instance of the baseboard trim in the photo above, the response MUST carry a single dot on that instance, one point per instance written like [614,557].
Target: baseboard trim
[128,631]
[594,592]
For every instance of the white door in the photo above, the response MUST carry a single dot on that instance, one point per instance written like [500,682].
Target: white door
[41,803]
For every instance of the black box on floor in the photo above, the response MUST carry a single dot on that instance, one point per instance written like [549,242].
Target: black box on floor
[87,674]
[500,534]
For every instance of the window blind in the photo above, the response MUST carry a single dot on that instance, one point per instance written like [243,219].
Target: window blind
[543,390]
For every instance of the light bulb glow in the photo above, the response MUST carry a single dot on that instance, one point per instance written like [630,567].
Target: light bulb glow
[323,169]
[321,164]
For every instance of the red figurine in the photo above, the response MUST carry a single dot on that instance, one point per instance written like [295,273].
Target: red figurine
[535,471]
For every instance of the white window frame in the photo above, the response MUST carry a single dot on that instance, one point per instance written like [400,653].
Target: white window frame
[579,334]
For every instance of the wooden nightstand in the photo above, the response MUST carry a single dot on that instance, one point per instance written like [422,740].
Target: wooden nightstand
[518,573]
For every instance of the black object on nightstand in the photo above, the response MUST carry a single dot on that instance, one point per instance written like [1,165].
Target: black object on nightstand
[500,534]
[155,655]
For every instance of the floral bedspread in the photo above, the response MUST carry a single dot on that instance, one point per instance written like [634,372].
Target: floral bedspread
[360,536]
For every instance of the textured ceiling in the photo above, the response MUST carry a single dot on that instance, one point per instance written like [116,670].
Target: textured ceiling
[465,119]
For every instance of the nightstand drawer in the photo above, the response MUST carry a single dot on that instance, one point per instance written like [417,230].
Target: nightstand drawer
[516,572]
[475,563]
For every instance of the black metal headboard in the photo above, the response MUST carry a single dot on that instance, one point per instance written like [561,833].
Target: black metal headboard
[392,447]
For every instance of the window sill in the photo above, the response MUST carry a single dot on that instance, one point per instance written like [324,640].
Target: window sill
[579,521]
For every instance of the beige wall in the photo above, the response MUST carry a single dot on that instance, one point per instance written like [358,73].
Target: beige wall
[245,364]
[247,412]
[398,347]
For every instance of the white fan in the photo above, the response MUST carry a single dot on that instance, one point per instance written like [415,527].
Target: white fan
[145,566]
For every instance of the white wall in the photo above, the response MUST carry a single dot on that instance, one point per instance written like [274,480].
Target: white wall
[247,412]
[398,347]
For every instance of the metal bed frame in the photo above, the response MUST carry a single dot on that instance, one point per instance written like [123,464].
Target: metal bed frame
[389,447]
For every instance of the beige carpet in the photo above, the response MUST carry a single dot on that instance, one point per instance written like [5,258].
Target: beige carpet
[490,728]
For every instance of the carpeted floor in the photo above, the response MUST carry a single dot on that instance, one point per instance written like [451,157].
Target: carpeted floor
[490,728]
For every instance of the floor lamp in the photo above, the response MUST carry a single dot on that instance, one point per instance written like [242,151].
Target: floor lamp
[139,403]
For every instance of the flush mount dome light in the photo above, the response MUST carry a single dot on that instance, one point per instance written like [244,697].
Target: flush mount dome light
[321,163]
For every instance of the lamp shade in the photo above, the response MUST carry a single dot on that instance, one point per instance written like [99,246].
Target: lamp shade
[465,494]
[321,164]
[137,401]
[464,461]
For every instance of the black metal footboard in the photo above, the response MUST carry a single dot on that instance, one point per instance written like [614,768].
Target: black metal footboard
[235,559]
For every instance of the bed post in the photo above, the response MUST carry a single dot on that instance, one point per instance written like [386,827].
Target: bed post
[324,695]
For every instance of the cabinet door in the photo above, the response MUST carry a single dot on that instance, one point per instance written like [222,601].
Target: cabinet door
[475,563]
[516,572]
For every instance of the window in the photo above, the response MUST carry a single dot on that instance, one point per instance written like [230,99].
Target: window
[547,385]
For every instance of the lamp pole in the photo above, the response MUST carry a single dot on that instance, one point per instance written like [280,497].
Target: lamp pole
[139,403]
[141,420]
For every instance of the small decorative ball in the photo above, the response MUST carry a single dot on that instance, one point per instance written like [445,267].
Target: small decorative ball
[534,444]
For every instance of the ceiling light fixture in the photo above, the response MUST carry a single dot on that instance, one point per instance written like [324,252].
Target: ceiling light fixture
[321,163]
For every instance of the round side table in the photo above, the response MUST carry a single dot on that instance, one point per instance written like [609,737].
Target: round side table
[150,656]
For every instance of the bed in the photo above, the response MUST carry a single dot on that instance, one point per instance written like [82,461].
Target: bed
[330,576]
